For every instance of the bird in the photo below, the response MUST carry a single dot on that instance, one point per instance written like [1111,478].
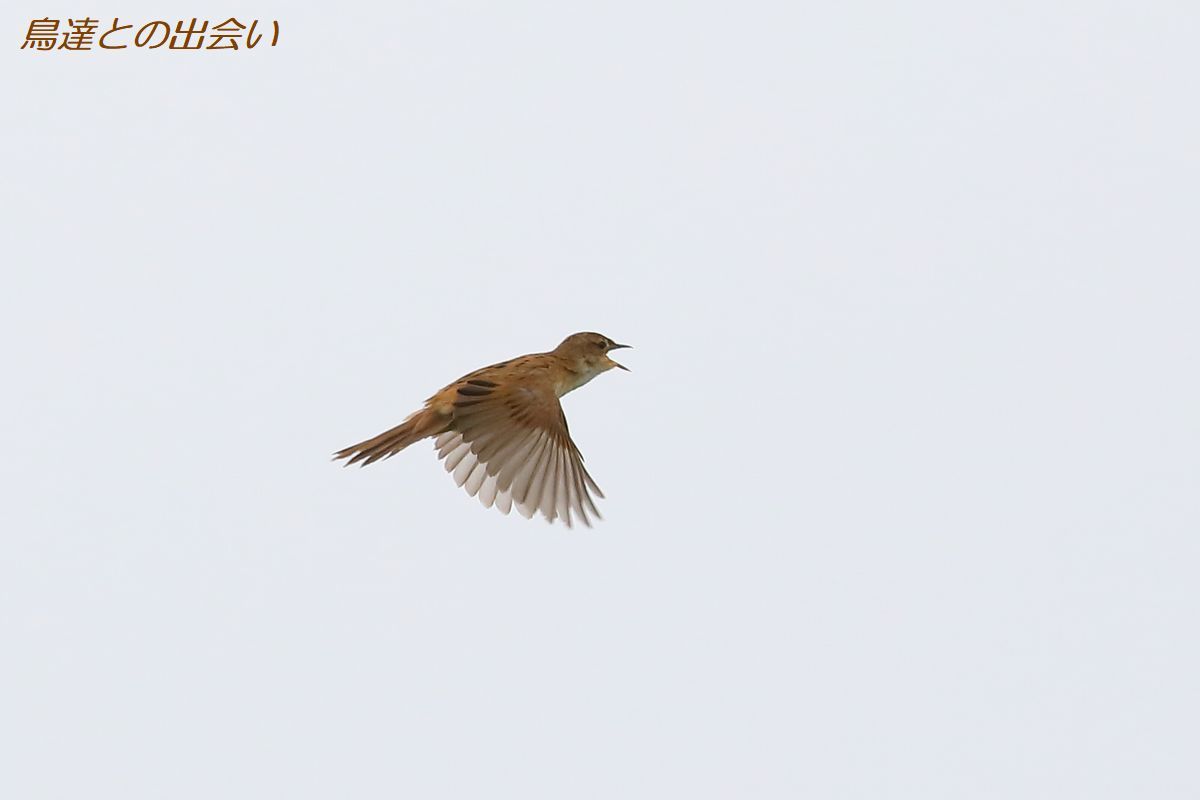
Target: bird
[502,433]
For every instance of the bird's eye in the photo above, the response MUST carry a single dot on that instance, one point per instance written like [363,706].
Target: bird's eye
[602,343]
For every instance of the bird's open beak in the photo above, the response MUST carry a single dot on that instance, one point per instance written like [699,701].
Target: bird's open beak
[618,347]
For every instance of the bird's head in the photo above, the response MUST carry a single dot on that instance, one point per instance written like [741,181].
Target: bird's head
[588,352]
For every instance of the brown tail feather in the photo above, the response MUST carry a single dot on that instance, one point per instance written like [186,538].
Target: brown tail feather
[420,425]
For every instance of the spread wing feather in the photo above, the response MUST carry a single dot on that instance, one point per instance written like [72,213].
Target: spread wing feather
[510,446]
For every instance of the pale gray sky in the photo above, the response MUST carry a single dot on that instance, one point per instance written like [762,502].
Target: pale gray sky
[902,489]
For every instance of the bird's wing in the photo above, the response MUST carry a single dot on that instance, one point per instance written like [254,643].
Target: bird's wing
[509,444]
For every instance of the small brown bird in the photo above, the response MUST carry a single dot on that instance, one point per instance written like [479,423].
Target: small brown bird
[502,432]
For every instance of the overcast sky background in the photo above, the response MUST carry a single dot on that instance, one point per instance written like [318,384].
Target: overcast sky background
[901,491]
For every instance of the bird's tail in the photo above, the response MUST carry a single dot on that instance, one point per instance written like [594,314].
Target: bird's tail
[418,426]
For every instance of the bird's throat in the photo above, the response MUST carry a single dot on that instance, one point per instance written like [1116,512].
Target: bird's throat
[572,379]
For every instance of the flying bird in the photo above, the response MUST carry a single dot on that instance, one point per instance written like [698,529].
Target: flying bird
[502,433]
